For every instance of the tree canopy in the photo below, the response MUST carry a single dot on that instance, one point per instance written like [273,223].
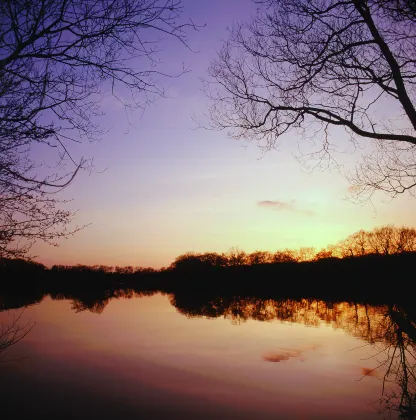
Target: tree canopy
[57,59]
[309,66]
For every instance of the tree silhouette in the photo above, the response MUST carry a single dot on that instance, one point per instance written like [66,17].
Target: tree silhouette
[259,257]
[14,332]
[312,66]
[384,240]
[236,257]
[57,59]
[284,256]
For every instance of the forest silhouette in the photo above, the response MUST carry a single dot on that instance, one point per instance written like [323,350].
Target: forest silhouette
[373,266]
[376,272]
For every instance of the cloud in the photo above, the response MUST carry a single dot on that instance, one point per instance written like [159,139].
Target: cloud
[277,205]
[282,356]
[283,206]
[287,354]
[369,372]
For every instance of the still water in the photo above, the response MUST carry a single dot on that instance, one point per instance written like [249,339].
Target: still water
[154,357]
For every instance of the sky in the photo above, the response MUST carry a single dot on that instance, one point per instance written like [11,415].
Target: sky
[162,185]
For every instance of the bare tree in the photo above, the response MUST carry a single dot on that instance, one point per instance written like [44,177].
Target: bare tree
[384,240]
[12,333]
[57,59]
[305,254]
[355,244]
[405,239]
[286,255]
[381,240]
[236,256]
[259,257]
[312,66]
[324,253]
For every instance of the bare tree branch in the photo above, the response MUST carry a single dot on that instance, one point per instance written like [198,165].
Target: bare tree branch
[57,58]
[324,63]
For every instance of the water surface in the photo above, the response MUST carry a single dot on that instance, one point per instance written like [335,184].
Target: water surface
[172,356]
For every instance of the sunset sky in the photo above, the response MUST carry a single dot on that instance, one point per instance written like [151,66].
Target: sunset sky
[161,186]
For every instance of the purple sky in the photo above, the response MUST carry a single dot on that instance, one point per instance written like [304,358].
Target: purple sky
[169,187]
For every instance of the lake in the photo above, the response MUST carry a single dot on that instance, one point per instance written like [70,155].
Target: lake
[157,356]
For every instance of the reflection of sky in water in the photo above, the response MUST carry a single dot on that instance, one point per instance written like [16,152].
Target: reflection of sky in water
[142,356]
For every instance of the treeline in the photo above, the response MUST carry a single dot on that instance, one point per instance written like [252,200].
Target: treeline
[381,241]
[101,270]
[385,240]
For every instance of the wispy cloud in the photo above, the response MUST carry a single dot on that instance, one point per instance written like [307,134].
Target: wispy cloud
[281,356]
[284,206]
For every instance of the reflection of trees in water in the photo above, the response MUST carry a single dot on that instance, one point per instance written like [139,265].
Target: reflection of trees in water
[93,302]
[360,320]
[398,357]
[83,299]
[96,301]
[389,328]
[16,301]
